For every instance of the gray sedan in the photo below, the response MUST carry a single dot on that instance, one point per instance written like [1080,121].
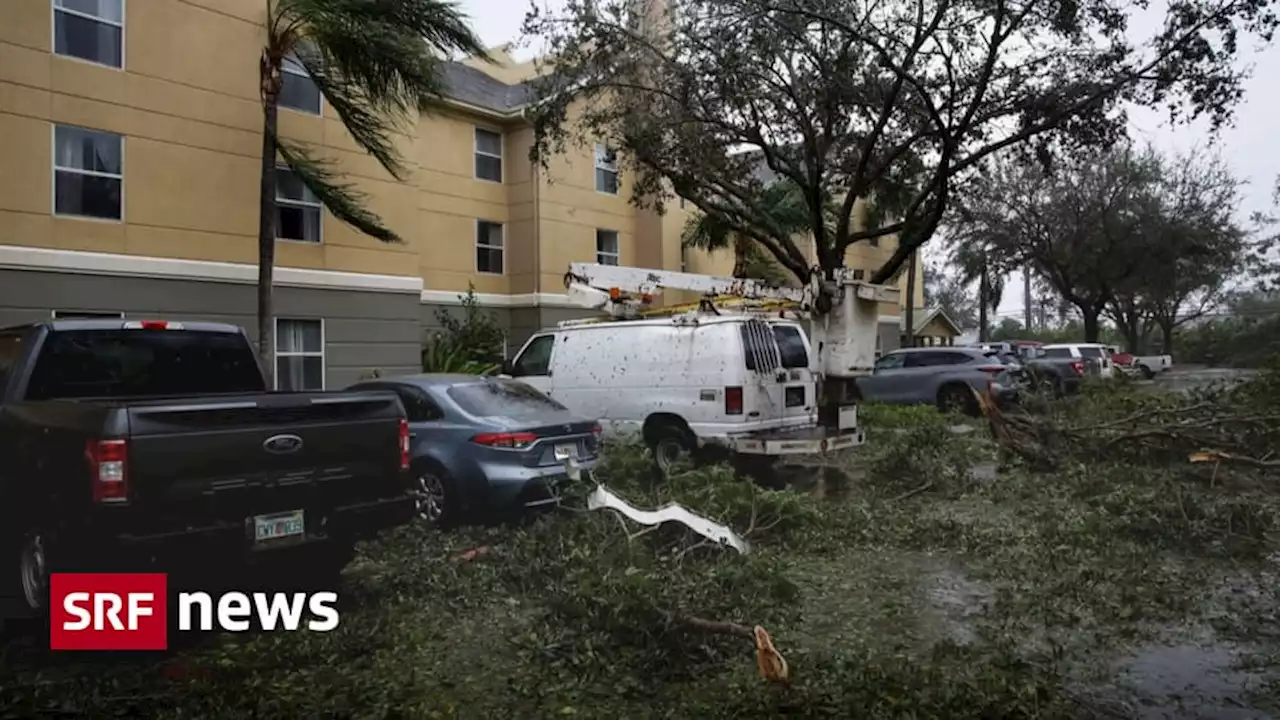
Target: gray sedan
[942,376]
[486,447]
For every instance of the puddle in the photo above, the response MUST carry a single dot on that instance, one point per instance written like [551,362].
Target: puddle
[1190,680]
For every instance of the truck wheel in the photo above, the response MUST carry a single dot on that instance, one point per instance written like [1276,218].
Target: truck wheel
[1147,372]
[671,445]
[24,592]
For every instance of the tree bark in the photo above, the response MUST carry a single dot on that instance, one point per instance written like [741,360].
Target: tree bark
[1166,334]
[1090,316]
[267,238]
[909,314]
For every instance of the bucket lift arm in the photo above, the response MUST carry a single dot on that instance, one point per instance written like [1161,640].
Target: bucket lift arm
[622,290]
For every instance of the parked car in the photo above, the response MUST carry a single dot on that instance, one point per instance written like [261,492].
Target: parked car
[1148,366]
[941,376]
[731,381]
[1097,359]
[487,446]
[127,440]
[1058,372]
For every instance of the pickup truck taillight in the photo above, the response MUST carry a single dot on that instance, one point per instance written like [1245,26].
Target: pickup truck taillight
[404,444]
[108,470]
[733,401]
[1077,366]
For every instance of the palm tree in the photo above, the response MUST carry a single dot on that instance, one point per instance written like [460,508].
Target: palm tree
[975,263]
[707,232]
[377,63]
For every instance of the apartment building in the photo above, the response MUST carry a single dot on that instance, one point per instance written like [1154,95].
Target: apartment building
[130,136]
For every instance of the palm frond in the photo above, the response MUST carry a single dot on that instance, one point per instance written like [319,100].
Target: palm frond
[706,232]
[342,199]
[377,62]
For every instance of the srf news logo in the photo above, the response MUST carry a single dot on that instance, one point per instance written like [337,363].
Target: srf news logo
[130,611]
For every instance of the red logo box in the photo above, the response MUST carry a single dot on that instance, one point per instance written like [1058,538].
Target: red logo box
[108,611]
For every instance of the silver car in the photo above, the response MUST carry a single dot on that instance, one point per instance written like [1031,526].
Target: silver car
[941,376]
[485,447]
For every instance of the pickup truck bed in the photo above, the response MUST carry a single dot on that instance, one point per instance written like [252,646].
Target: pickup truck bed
[161,438]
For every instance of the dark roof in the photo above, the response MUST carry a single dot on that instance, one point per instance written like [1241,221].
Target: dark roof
[475,87]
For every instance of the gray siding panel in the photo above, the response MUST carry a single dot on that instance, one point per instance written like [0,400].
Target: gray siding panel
[363,330]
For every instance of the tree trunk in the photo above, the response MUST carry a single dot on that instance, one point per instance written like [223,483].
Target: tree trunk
[739,257]
[1166,334]
[909,315]
[267,238]
[1090,316]
[984,289]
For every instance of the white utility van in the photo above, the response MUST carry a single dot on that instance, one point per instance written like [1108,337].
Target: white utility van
[737,381]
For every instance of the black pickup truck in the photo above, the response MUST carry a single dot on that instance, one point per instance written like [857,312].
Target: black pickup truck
[139,440]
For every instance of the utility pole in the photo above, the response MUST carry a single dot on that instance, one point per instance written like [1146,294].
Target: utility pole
[1026,297]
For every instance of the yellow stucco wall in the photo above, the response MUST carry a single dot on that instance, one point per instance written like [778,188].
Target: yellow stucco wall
[187,105]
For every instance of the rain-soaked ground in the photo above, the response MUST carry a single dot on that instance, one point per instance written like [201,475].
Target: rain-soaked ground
[1189,672]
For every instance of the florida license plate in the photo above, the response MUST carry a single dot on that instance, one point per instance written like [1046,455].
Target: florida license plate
[564,452]
[278,526]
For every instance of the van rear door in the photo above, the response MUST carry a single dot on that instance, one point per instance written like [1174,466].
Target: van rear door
[781,382]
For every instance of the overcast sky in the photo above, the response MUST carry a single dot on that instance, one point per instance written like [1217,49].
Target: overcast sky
[1251,147]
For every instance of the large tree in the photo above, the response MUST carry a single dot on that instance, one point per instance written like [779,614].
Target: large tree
[878,107]
[1191,247]
[377,63]
[1075,224]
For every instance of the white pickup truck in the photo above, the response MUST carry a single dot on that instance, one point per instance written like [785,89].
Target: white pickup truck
[1146,365]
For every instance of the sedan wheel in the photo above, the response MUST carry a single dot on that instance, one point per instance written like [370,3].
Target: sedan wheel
[431,498]
[34,571]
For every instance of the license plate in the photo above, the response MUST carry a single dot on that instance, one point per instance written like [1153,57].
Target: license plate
[564,452]
[281,525]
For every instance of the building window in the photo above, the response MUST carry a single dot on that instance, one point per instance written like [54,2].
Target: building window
[682,203]
[90,30]
[875,242]
[299,354]
[297,208]
[859,274]
[606,169]
[488,247]
[88,173]
[297,90]
[488,155]
[607,247]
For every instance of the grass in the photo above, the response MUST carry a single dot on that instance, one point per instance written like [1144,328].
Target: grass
[913,587]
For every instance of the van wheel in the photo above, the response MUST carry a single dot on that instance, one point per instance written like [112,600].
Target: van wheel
[671,446]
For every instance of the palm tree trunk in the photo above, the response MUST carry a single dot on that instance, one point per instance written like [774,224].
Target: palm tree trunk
[267,222]
[909,316]
[984,297]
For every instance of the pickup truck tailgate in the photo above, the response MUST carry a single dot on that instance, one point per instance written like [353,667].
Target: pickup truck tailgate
[219,461]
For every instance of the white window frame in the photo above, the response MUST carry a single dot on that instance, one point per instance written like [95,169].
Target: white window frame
[276,354]
[617,247]
[475,146]
[53,32]
[602,149]
[500,248]
[53,179]
[284,68]
[298,204]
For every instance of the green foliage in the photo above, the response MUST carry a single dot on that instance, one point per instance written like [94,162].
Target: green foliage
[1247,337]
[471,342]
[377,65]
